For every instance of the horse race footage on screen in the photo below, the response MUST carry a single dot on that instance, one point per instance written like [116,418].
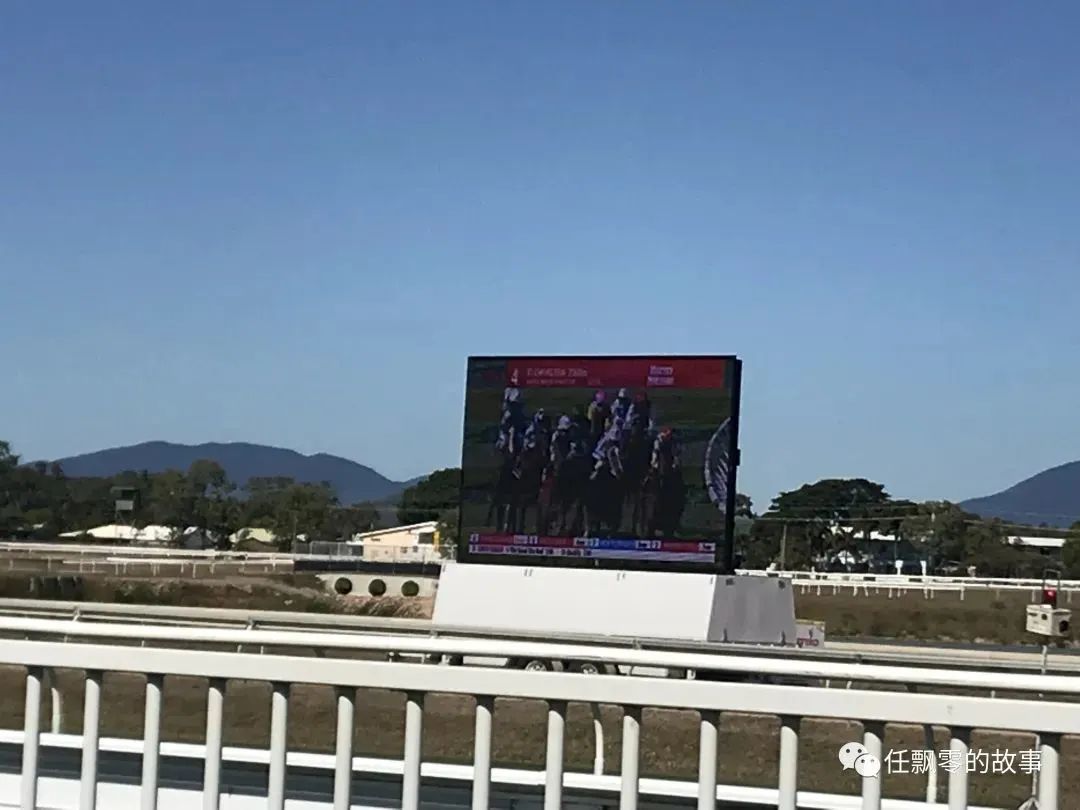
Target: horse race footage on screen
[612,462]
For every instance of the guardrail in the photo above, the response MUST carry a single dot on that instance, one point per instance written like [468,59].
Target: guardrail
[375,781]
[74,553]
[914,579]
[1047,711]
[68,616]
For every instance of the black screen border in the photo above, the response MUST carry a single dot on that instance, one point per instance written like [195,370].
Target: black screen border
[723,562]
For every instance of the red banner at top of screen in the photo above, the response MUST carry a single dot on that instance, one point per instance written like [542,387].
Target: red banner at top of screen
[606,372]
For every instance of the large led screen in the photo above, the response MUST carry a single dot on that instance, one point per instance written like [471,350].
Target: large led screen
[613,462]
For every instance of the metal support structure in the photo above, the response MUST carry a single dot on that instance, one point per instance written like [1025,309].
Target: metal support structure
[215,707]
[151,741]
[485,709]
[958,778]
[414,728]
[553,763]
[932,772]
[346,719]
[279,745]
[631,758]
[56,702]
[707,752]
[873,734]
[789,762]
[31,738]
[90,736]
[598,738]
[1049,766]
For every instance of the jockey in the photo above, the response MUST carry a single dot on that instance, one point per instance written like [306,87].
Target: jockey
[537,429]
[560,441]
[512,425]
[597,413]
[598,406]
[620,408]
[667,447]
[608,449]
[640,408]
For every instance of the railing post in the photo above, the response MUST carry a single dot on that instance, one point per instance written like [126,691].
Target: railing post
[414,726]
[31,738]
[1050,753]
[707,747]
[873,733]
[789,762]
[215,705]
[485,707]
[151,741]
[91,726]
[554,760]
[958,776]
[932,773]
[598,739]
[56,705]
[279,737]
[631,757]
[346,714]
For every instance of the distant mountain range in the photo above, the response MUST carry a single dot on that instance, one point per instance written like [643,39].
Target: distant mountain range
[351,481]
[1051,497]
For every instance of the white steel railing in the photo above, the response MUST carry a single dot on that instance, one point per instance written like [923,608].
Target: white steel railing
[1049,716]
[886,578]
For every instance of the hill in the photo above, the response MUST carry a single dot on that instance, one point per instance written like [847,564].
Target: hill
[351,481]
[1052,497]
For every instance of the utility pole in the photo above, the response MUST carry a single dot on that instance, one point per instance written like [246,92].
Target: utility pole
[783,548]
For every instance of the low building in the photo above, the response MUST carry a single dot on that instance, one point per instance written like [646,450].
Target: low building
[253,534]
[152,535]
[1049,547]
[415,542]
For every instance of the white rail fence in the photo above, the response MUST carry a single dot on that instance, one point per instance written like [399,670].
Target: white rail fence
[1048,712]
[823,583]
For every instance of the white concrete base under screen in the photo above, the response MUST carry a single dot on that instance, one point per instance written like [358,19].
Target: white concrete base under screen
[641,604]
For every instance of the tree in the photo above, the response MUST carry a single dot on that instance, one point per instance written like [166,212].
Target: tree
[820,520]
[304,509]
[430,498]
[346,521]
[1070,553]
[449,530]
[744,507]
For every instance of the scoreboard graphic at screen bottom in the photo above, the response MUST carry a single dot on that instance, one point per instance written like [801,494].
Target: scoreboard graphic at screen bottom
[590,548]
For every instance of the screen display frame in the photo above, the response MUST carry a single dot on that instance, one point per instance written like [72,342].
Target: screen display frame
[723,560]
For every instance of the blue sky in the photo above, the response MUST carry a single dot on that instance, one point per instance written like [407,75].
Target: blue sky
[291,222]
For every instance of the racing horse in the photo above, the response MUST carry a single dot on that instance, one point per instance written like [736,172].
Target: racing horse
[526,488]
[664,494]
[502,499]
[635,473]
[604,502]
[563,495]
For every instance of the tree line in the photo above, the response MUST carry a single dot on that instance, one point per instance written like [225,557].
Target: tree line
[823,524]
[39,500]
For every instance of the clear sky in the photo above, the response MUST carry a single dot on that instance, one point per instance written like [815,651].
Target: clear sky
[290,223]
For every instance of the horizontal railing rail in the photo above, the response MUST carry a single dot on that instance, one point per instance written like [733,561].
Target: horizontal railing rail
[1012,660]
[793,666]
[885,580]
[1048,718]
